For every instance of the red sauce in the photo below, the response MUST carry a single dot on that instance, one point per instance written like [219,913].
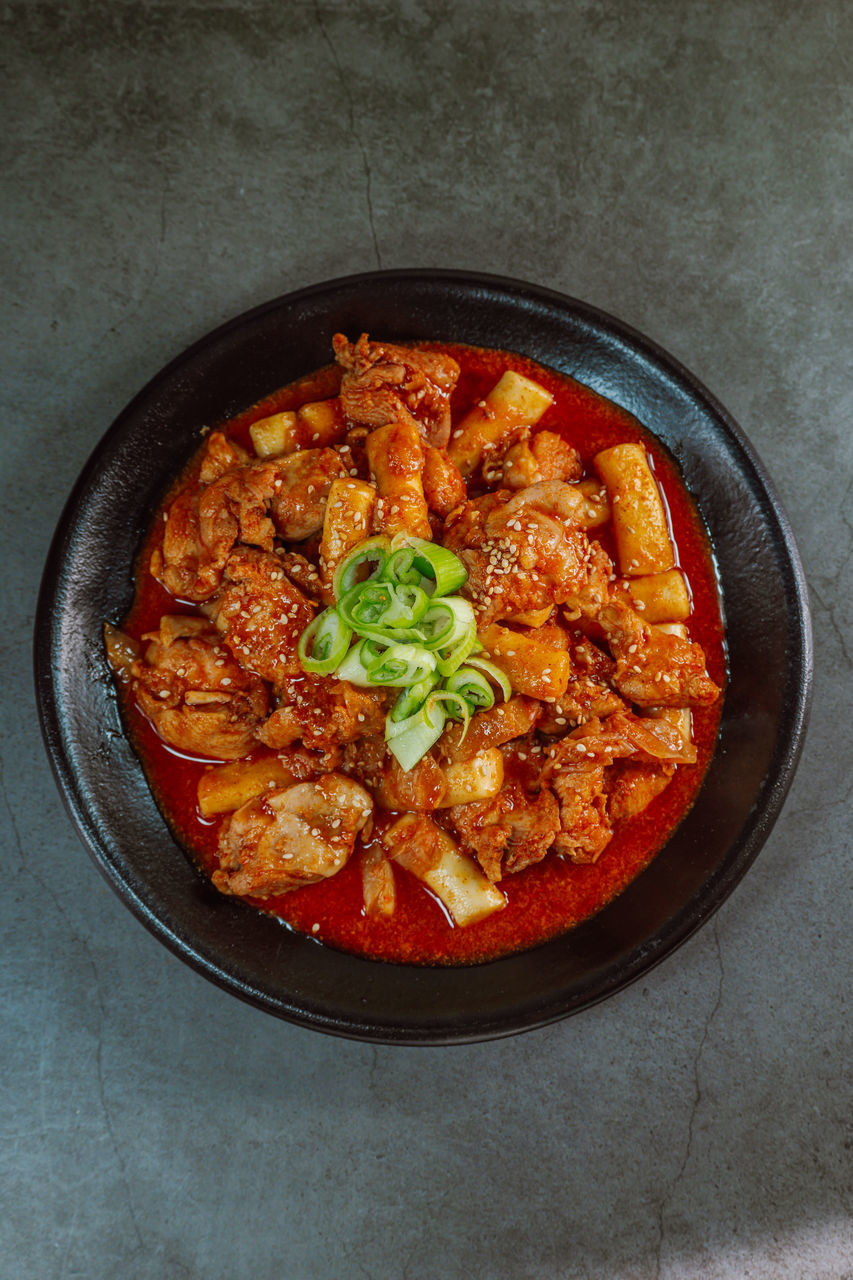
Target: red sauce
[545,899]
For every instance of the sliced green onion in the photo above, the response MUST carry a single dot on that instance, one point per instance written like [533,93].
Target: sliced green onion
[402,665]
[463,625]
[495,673]
[400,567]
[324,643]
[410,739]
[438,625]
[437,564]
[462,641]
[357,662]
[458,709]
[373,607]
[473,687]
[412,699]
[373,551]
[395,600]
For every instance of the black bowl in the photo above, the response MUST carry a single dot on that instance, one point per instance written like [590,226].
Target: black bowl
[88,579]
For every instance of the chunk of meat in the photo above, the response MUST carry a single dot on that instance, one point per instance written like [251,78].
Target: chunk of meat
[585,828]
[632,787]
[261,615]
[512,831]
[291,836]
[284,496]
[305,576]
[589,694]
[385,383]
[653,668]
[501,723]
[300,485]
[196,696]
[579,771]
[544,456]
[444,488]
[523,552]
[187,567]
[417,790]
[324,713]
[248,502]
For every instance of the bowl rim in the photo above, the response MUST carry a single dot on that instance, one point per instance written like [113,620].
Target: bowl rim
[694,913]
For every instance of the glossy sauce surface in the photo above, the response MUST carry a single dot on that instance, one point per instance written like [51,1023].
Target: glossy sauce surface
[545,899]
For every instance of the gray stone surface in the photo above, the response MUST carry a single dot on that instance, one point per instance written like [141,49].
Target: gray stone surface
[686,166]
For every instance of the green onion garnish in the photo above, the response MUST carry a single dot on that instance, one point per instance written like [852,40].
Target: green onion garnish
[324,643]
[397,624]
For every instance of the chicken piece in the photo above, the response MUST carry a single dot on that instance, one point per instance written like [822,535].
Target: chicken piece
[654,669]
[501,723]
[417,790]
[261,615]
[632,787]
[291,836]
[544,456]
[512,831]
[246,502]
[385,383]
[328,713]
[281,729]
[186,565]
[585,829]
[589,694]
[301,486]
[284,496]
[523,552]
[122,651]
[444,488]
[305,576]
[194,693]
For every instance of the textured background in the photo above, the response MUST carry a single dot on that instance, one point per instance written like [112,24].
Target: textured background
[686,166]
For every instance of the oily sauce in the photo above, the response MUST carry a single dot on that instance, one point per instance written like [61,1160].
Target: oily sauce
[545,899]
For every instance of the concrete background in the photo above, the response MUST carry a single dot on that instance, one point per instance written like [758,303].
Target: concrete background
[686,166]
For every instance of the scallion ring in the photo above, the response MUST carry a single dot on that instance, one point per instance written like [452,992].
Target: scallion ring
[437,564]
[324,642]
[373,551]
[401,665]
[473,687]
[494,672]
[357,662]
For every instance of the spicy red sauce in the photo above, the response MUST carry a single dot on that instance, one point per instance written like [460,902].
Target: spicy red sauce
[546,899]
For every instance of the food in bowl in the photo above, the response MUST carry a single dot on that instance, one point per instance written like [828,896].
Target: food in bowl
[425,653]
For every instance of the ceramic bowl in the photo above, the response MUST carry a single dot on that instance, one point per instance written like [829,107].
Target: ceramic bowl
[88,578]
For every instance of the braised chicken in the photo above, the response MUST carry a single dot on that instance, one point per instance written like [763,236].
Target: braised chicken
[196,695]
[384,383]
[525,551]
[291,836]
[579,713]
